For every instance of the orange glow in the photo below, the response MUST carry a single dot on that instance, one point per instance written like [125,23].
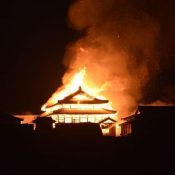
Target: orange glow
[72,86]
[77,89]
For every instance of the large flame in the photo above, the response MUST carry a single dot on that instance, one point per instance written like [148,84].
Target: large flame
[72,85]
[77,80]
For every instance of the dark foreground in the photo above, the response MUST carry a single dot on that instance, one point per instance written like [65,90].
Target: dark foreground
[149,151]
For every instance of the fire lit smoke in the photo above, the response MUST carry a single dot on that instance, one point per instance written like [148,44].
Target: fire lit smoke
[161,103]
[117,48]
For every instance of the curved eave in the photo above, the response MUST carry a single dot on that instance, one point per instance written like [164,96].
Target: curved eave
[95,101]
[82,111]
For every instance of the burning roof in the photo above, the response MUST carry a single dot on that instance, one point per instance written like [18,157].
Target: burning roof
[72,104]
[80,102]
[79,97]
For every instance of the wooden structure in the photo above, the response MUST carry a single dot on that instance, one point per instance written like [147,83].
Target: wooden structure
[43,123]
[128,123]
[80,107]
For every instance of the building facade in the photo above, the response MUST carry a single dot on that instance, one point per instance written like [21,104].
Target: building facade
[80,107]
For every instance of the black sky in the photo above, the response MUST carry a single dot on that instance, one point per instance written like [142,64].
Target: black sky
[34,37]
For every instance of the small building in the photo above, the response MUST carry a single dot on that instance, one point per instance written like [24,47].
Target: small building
[43,123]
[148,121]
[80,107]
[127,124]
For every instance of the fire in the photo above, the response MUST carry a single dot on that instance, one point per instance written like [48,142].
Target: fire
[77,80]
[76,102]
[71,87]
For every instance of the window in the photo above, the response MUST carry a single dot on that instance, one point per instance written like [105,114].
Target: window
[61,120]
[76,119]
[98,119]
[83,119]
[127,129]
[91,119]
[68,120]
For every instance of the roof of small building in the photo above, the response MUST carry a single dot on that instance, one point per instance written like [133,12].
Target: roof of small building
[108,119]
[130,117]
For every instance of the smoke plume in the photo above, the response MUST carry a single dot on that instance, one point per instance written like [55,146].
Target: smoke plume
[117,48]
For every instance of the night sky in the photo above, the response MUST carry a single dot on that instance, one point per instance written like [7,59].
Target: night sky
[34,37]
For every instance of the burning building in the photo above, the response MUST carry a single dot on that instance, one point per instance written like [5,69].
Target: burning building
[80,107]
[74,103]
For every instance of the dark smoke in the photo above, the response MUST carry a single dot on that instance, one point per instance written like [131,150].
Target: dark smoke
[120,44]
[121,49]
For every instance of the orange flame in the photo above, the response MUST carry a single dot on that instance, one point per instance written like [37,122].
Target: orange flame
[72,86]
[79,80]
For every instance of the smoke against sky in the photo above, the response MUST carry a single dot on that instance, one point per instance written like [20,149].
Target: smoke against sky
[133,39]
[118,48]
